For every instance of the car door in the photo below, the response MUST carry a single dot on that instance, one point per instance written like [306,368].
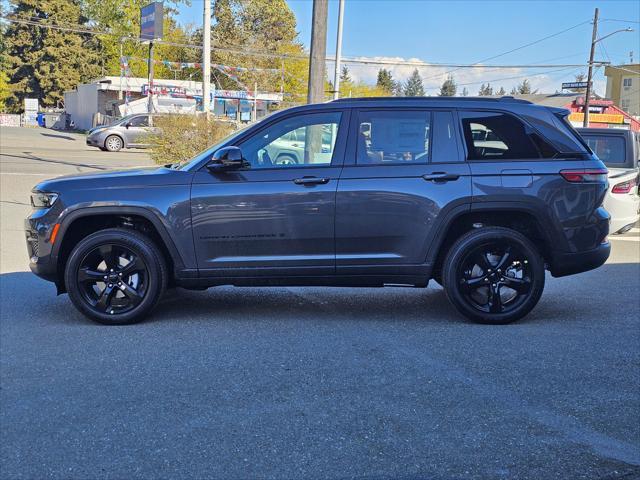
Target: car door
[136,129]
[272,217]
[404,170]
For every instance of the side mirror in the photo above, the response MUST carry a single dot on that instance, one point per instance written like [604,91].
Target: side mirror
[127,125]
[226,158]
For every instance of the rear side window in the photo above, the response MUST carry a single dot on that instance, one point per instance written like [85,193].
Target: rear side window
[609,148]
[500,136]
[393,137]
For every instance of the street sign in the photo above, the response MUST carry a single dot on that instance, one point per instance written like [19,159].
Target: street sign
[151,21]
[574,85]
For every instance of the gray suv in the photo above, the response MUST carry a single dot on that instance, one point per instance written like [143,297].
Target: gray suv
[479,195]
[128,132]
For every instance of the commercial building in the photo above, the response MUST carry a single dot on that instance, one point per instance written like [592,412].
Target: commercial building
[623,87]
[106,98]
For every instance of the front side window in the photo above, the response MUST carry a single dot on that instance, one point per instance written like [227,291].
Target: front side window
[301,141]
[609,148]
[389,137]
[140,121]
[500,136]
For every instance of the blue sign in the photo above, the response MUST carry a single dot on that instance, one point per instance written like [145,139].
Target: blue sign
[151,21]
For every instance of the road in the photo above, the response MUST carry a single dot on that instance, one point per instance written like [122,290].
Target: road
[327,383]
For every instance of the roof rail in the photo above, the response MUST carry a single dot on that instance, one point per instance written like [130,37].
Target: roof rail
[506,99]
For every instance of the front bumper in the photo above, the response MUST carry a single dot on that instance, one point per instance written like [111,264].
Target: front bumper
[563,263]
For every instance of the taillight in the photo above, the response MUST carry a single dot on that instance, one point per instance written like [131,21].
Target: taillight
[594,175]
[624,187]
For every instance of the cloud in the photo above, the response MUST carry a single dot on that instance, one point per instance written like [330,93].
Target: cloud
[471,78]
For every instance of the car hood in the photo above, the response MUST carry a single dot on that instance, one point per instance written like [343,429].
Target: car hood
[138,177]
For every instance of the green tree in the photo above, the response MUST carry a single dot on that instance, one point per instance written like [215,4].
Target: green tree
[501,92]
[524,88]
[465,92]
[414,87]
[485,90]
[44,62]
[448,88]
[385,81]
[345,77]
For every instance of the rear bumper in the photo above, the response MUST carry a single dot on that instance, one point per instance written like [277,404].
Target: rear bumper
[570,263]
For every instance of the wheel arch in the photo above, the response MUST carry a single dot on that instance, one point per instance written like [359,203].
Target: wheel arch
[82,222]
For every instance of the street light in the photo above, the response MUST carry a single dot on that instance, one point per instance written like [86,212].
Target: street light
[594,40]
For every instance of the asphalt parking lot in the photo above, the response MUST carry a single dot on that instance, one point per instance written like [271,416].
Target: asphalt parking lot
[289,383]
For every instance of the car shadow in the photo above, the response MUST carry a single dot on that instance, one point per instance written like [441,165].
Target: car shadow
[27,298]
[64,137]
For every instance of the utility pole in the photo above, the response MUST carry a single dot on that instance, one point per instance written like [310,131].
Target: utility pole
[336,74]
[318,51]
[121,70]
[206,57]
[150,70]
[585,122]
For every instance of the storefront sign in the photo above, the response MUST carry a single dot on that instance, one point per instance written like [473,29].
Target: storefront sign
[597,117]
[574,85]
[151,21]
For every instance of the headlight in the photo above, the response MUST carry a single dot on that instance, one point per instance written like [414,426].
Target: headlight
[43,199]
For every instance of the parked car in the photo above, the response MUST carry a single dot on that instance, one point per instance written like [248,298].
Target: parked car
[620,151]
[128,132]
[412,196]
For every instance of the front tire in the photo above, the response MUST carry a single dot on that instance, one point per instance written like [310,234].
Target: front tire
[493,275]
[115,276]
[113,143]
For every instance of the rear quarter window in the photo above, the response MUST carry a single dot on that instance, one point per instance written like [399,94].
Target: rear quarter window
[611,149]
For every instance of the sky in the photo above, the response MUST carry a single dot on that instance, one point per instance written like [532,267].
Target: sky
[458,31]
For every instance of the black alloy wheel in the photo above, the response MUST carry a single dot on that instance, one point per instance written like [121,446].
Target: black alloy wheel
[494,275]
[115,276]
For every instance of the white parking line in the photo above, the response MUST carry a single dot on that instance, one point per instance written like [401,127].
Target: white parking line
[623,238]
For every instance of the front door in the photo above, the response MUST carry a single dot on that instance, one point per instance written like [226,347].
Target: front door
[136,129]
[276,216]
[403,171]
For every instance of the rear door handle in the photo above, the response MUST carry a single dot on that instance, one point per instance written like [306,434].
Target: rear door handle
[441,177]
[311,181]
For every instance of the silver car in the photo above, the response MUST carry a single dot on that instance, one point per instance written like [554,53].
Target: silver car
[128,132]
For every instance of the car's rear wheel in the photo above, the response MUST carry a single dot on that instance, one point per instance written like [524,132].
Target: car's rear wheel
[493,275]
[113,143]
[287,160]
[115,276]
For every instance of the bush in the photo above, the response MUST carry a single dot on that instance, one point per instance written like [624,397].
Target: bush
[183,136]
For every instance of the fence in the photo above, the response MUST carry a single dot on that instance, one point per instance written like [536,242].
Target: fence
[10,120]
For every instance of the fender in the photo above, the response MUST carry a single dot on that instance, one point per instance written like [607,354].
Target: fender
[146,213]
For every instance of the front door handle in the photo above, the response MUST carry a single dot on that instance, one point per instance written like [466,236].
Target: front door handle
[441,177]
[311,181]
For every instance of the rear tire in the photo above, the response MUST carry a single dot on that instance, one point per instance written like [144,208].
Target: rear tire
[493,275]
[113,143]
[115,276]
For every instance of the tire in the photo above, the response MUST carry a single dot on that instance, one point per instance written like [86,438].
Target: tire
[115,276]
[113,143]
[285,159]
[493,275]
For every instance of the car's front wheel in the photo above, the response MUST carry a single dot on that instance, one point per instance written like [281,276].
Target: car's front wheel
[115,276]
[493,275]
[113,143]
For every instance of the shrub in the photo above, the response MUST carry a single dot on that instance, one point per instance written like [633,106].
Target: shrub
[183,136]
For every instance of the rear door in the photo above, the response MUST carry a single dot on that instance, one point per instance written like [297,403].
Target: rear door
[403,169]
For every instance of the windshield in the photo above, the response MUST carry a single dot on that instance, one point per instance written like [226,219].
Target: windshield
[209,151]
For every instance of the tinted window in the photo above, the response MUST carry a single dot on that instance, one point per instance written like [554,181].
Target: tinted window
[141,121]
[445,144]
[609,148]
[300,141]
[386,137]
[500,136]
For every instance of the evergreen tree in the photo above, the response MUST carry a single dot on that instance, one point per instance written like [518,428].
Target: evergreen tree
[448,88]
[501,92]
[344,75]
[465,92]
[44,62]
[485,90]
[414,87]
[524,88]
[514,91]
[385,81]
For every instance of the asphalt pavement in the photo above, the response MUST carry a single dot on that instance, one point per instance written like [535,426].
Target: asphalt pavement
[326,383]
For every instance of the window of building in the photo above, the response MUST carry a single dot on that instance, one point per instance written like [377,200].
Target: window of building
[388,137]
[626,82]
[300,141]
[500,136]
